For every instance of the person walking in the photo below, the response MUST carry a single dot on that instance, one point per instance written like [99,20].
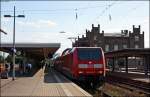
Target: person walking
[30,66]
[21,68]
[42,65]
[11,66]
[7,68]
[26,68]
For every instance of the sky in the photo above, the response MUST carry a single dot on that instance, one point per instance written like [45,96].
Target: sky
[44,20]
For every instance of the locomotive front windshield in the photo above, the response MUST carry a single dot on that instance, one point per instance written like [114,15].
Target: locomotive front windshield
[89,54]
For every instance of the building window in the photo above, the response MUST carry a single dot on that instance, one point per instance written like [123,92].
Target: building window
[136,46]
[106,47]
[136,38]
[95,37]
[95,45]
[124,46]
[115,47]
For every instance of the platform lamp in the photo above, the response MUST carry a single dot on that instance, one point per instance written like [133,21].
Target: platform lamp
[1,31]
[14,16]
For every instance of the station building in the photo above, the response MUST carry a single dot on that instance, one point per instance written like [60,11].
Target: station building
[111,41]
[114,42]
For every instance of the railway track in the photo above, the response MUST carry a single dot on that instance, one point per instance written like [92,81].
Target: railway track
[129,84]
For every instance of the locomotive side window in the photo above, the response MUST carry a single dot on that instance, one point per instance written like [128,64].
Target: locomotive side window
[89,54]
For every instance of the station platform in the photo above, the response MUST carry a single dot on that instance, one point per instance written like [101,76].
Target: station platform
[132,75]
[43,83]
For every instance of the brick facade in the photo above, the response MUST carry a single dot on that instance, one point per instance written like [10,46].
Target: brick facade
[111,41]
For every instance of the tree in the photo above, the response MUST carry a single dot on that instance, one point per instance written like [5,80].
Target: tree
[1,59]
[9,58]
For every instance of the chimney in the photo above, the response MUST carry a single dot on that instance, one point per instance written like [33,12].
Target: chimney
[121,31]
[133,26]
[92,25]
[129,31]
[99,25]
[143,32]
[126,31]
[139,26]
[102,31]
[98,28]
[82,36]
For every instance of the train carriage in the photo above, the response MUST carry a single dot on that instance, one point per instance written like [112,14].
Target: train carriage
[82,64]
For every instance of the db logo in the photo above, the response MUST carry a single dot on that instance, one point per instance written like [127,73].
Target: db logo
[90,62]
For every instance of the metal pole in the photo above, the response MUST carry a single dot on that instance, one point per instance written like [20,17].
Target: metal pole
[126,64]
[14,50]
[13,77]
[0,26]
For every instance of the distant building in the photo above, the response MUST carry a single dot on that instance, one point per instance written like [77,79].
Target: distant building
[111,41]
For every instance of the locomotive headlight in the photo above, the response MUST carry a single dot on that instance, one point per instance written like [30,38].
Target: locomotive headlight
[98,65]
[82,65]
[80,72]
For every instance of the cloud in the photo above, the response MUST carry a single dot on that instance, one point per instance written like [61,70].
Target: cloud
[46,37]
[3,19]
[48,23]
[38,24]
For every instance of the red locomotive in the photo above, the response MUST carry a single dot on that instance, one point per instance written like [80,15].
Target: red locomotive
[82,64]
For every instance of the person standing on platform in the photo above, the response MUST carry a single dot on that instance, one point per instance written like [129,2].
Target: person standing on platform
[21,67]
[29,67]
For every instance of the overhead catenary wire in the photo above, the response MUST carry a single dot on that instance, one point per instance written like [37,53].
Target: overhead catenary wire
[67,9]
[101,13]
[104,10]
[64,11]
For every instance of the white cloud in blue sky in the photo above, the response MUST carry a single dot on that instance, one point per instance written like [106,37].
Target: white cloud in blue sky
[38,24]
[44,20]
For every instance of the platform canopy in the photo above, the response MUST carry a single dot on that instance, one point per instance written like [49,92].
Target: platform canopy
[34,50]
[129,52]
[142,53]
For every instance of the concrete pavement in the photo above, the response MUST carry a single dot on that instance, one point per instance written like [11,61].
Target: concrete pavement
[50,83]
